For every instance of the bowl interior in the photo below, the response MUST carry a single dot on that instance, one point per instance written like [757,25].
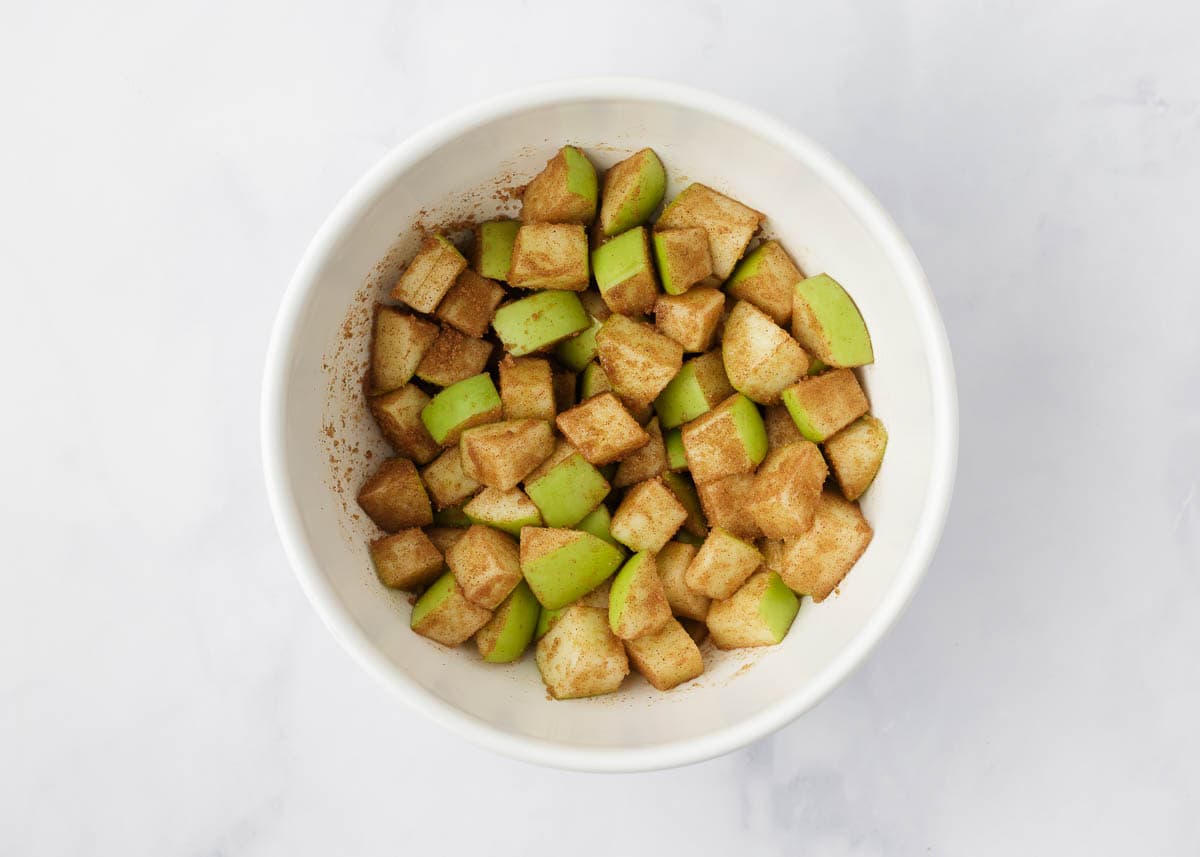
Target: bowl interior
[325,436]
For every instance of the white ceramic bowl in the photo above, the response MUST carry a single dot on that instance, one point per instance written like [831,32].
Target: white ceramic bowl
[316,434]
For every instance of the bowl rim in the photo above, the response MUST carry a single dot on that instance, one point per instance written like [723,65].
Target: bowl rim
[281,350]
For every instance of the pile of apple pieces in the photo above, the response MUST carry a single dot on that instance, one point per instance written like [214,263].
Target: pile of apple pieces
[700,430]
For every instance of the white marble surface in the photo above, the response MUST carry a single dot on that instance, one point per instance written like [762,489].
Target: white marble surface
[166,689]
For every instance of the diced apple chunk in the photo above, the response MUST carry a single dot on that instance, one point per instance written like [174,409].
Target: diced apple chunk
[822,405]
[633,188]
[637,604]
[550,256]
[725,503]
[786,490]
[445,615]
[399,416]
[645,463]
[855,454]
[580,656]
[430,274]
[827,322]
[722,564]
[685,492]
[502,454]
[505,510]
[760,613]
[398,343]
[406,560]
[781,428]
[579,350]
[443,538]
[566,488]
[667,658]
[394,497]
[447,481]
[527,388]
[691,319]
[816,562]
[761,359]
[728,439]
[487,565]
[673,561]
[509,632]
[566,191]
[602,430]
[471,303]
[463,405]
[492,254]
[598,522]
[699,387]
[648,516]
[539,321]
[625,273]
[593,382]
[683,258]
[729,224]
[561,566]
[638,360]
[453,357]
[766,278]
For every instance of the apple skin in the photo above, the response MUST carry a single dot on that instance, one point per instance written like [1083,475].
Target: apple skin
[829,325]
[509,632]
[493,248]
[539,321]
[572,571]
[568,492]
[633,188]
[472,401]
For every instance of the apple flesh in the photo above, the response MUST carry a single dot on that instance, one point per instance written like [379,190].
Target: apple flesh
[822,405]
[625,274]
[444,615]
[827,322]
[683,258]
[761,358]
[760,613]
[855,454]
[508,511]
[729,439]
[566,191]
[637,604]
[766,278]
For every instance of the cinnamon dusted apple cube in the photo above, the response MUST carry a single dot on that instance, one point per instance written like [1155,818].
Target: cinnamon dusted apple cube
[565,487]
[453,357]
[394,497]
[398,414]
[786,489]
[638,360]
[822,405]
[566,191]
[487,565]
[633,188]
[500,455]
[470,305]
[683,258]
[637,605]
[648,516]
[398,343]
[625,273]
[781,428]
[666,658]
[761,358]
[723,563]
[645,463]
[527,388]
[430,274]
[673,561]
[443,538]
[691,319]
[760,613]
[699,387]
[729,439]
[855,454]
[463,405]
[492,252]
[447,479]
[406,560]
[816,562]
[580,656]
[766,278]
[602,430]
[729,224]
[725,502]
[445,615]
[550,256]
[505,510]
[579,350]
